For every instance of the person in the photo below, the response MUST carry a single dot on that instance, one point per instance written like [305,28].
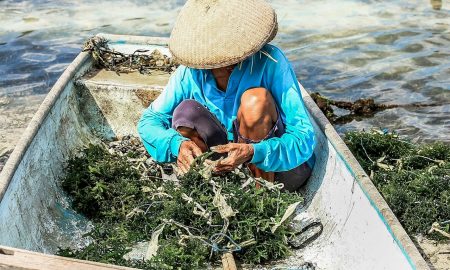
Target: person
[233,94]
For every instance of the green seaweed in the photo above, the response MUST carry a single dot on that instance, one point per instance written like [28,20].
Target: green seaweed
[126,206]
[414,179]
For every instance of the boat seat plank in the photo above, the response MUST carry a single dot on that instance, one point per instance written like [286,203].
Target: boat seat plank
[13,258]
[100,78]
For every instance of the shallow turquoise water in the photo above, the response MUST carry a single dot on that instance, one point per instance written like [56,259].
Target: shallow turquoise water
[392,51]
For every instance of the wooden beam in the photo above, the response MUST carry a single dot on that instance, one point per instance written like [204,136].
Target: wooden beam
[228,262]
[13,258]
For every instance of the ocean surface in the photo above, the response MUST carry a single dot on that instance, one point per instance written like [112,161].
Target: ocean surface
[396,51]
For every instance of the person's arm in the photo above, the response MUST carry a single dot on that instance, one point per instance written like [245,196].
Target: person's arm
[296,146]
[161,141]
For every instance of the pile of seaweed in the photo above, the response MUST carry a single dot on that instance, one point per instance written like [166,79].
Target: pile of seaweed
[180,223]
[414,179]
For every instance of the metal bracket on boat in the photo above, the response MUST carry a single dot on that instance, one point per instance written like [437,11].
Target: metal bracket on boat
[306,235]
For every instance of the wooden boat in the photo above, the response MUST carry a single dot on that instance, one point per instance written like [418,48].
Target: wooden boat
[360,230]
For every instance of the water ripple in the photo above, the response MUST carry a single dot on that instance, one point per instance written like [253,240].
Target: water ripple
[393,51]
[38,57]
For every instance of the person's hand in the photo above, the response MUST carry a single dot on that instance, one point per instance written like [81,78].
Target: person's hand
[238,153]
[186,155]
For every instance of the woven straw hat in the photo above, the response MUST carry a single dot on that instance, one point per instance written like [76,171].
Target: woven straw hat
[217,33]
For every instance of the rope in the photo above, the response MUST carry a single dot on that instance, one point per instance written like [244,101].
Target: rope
[216,247]
[305,266]
[212,241]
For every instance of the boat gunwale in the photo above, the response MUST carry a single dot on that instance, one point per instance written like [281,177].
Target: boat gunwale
[391,222]
[46,106]
[393,225]
[20,259]
[34,125]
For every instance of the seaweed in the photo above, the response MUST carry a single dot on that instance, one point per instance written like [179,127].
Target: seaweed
[358,109]
[128,197]
[414,179]
[141,60]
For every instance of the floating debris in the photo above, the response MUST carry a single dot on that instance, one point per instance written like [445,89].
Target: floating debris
[146,217]
[361,108]
[141,60]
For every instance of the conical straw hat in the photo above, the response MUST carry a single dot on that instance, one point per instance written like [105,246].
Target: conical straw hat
[217,33]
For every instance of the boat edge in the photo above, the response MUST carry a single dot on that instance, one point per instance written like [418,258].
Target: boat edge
[408,248]
[16,258]
[33,127]
[27,137]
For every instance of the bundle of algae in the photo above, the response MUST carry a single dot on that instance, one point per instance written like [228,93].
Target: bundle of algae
[182,223]
[414,179]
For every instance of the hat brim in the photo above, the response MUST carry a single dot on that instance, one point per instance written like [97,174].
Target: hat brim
[222,32]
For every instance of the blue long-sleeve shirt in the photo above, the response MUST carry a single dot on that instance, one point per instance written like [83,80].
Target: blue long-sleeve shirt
[273,73]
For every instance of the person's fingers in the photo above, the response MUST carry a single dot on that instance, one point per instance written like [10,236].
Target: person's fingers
[182,166]
[186,159]
[177,170]
[229,161]
[196,150]
[189,158]
[209,162]
[184,169]
[182,157]
[223,169]
[227,164]
[221,148]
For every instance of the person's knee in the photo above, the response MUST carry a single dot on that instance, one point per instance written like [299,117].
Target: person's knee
[187,110]
[187,132]
[185,117]
[257,108]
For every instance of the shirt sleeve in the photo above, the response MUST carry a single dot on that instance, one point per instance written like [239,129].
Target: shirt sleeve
[161,141]
[296,146]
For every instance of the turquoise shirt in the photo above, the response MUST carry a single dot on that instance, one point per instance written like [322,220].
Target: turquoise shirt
[272,72]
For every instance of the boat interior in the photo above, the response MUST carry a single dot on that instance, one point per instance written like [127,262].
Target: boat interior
[89,104]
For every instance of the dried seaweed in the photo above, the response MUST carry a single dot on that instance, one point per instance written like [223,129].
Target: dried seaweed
[129,197]
[141,60]
[414,179]
[4,157]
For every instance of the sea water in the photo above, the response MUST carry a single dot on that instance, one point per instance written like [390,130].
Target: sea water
[396,51]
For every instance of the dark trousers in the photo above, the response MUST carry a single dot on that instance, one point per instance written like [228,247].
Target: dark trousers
[192,114]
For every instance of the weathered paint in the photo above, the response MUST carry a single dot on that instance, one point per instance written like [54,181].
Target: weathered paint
[118,101]
[354,235]
[360,231]
[33,209]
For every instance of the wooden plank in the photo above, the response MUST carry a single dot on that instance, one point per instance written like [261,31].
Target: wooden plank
[13,258]
[228,262]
